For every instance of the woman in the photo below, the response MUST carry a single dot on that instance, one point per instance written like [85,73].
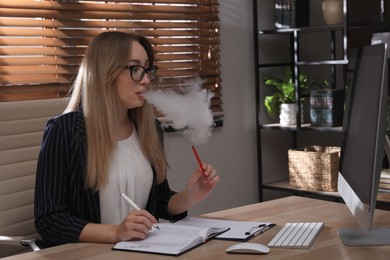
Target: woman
[108,142]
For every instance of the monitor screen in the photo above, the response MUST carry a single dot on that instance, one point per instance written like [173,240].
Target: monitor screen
[363,146]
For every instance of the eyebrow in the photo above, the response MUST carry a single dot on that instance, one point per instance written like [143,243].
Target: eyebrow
[138,61]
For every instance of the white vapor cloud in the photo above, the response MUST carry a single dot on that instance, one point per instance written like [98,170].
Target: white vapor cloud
[189,111]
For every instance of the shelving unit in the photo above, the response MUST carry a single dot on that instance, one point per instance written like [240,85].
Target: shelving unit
[295,62]
[338,34]
[338,52]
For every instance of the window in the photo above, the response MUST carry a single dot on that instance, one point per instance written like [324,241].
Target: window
[42,42]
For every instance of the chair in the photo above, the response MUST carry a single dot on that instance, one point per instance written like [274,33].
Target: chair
[21,128]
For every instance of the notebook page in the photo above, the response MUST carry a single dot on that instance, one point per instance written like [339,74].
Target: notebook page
[170,239]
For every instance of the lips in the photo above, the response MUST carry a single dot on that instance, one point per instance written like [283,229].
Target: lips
[140,95]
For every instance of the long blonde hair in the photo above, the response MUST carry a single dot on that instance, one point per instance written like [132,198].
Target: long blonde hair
[94,92]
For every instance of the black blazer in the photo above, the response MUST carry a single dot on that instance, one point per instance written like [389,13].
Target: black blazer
[62,204]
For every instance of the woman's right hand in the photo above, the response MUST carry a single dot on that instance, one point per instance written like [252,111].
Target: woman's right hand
[136,225]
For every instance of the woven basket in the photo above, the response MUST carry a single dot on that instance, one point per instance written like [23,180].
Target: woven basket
[314,167]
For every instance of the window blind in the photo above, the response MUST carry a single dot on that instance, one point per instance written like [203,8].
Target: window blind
[42,42]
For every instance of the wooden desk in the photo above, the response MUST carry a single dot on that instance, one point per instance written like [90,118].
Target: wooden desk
[281,211]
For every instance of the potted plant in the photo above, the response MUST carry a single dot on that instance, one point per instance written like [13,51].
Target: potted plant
[283,102]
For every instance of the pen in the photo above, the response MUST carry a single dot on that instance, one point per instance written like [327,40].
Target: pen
[259,226]
[135,206]
[198,159]
[262,230]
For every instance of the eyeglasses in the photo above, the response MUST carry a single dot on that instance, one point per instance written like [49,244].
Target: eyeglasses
[137,72]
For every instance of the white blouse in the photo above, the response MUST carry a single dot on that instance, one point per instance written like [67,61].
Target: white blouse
[129,172]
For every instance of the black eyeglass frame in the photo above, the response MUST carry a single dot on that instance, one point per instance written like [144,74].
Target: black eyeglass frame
[148,70]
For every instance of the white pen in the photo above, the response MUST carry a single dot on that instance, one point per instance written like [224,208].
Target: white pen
[135,206]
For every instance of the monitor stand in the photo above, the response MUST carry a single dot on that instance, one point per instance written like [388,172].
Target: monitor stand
[377,236]
[356,237]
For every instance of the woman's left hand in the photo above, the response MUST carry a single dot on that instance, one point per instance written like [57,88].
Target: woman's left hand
[201,183]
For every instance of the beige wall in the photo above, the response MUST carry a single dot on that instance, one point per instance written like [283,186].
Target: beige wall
[232,148]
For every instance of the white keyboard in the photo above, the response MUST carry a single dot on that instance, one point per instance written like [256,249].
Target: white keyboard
[297,235]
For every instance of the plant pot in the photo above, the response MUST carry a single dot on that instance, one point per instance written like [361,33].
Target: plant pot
[382,37]
[288,114]
[333,12]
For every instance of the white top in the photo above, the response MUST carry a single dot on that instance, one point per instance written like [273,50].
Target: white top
[129,172]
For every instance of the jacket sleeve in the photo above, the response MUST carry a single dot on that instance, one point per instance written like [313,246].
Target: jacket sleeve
[164,195]
[53,220]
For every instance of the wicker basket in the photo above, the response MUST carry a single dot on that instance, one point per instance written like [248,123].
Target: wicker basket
[314,167]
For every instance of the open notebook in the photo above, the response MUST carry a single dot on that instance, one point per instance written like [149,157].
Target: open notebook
[171,239]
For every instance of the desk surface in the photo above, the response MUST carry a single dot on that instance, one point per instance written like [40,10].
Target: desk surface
[291,209]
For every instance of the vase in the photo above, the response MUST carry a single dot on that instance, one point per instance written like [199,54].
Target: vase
[333,12]
[288,114]
[327,107]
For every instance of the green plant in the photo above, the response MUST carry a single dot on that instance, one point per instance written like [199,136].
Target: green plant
[285,91]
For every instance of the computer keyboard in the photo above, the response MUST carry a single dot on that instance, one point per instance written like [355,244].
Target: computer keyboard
[297,235]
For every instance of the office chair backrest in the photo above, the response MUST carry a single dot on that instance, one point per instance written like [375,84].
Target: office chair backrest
[21,128]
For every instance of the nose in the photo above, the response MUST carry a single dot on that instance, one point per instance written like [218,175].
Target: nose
[145,79]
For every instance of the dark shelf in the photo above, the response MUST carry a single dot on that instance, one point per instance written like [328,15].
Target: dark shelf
[383,199]
[323,62]
[300,63]
[322,28]
[285,186]
[304,127]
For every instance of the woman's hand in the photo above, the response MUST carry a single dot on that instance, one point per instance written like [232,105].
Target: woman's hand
[199,186]
[136,225]
[201,183]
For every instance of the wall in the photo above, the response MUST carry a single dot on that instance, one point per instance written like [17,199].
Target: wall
[231,148]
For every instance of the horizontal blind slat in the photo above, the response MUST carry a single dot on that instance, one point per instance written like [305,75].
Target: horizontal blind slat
[101,14]
[12,22]
[86,32]
[134,7]
[33,60]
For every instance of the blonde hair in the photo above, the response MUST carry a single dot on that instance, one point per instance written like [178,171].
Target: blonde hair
[94,92]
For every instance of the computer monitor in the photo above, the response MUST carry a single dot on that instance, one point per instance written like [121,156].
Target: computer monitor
[363,144]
